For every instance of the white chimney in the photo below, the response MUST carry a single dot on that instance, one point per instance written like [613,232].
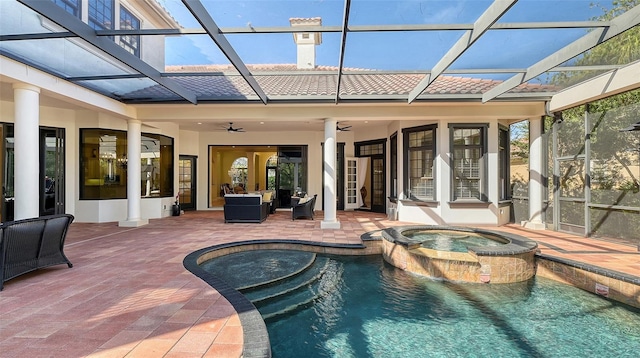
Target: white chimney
[306,41]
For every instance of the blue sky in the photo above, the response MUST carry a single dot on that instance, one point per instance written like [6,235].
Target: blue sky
[385,51]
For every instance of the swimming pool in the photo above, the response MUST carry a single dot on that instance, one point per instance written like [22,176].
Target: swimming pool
[368,308]
[377,310]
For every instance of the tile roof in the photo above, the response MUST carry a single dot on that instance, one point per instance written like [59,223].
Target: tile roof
[212,82]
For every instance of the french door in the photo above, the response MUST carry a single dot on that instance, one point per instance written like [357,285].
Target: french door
[351,183]
[378,179]
[52,171]
[187,182]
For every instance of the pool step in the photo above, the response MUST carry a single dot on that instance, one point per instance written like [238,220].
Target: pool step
[304,296]
[249,270]
[292,284]
[277,281]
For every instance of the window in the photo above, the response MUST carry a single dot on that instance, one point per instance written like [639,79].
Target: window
[70,6]
[272,169]
[364,150]
[156,167]
[238,172]
[128,21]
[104,164]
[420,149]
[504,158]
[101,14]
[468,149]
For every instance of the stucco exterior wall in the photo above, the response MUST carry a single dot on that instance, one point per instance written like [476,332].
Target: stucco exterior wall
[68,106]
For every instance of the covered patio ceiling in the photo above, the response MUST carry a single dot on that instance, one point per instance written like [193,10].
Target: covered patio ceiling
[364,50]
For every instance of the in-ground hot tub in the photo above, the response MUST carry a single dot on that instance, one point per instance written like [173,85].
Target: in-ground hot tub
[460,253]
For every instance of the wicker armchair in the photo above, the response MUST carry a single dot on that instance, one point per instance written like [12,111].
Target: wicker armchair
[304,210]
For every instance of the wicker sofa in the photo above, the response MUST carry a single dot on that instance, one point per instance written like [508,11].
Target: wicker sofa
[30,244]
[245,208]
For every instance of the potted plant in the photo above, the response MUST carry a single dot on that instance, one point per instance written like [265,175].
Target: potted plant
[175,208]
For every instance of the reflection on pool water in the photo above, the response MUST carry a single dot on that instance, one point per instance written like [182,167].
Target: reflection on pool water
[450,240]
[371,309]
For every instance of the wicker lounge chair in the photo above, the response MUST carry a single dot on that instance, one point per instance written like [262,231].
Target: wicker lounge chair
[304,209]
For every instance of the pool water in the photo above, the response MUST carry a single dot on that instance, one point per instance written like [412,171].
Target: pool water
[372,309]
[456,241]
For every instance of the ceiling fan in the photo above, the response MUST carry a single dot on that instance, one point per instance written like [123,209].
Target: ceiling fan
[231,129]
[342,129]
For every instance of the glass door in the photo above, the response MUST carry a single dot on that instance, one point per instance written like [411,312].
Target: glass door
[7,170]
[378,184]
[187,182]
[351,184]
[372,177]
[292,177]
[52,171]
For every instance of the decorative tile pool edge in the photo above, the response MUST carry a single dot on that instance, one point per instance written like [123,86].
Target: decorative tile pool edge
[516,244]
[613,285]
[514,261]
[255,336]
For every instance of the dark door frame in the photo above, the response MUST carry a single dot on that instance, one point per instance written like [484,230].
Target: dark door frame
[194,171]
[372,156]
[7,175]
[377,208]
[55,193]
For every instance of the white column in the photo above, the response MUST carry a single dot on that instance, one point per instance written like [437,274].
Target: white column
[134,142]
[536,185]
[27,143]
[330,220]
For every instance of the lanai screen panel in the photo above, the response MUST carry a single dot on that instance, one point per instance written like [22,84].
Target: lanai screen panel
[325,50]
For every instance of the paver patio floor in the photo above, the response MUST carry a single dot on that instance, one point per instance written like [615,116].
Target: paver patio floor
[128,294]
